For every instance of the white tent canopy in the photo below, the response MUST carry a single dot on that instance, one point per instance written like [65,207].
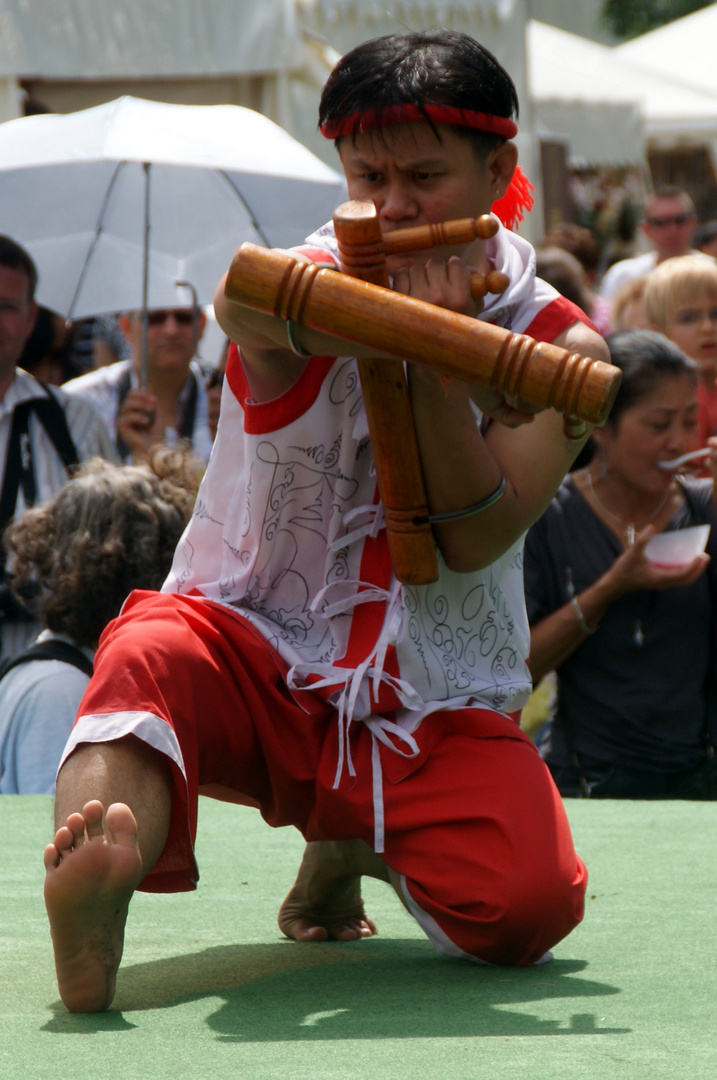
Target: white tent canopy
[108,38]
[595,115]
[567,68]
[104,39]
[682,51]
[270,55]
[87,52]
[596,132]
[347,22]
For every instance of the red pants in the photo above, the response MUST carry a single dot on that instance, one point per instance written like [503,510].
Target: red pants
[474,823]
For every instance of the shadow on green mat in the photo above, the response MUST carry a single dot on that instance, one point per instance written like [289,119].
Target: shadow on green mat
[373,990]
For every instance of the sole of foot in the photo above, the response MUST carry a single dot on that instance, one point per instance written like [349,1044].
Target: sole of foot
[92,869]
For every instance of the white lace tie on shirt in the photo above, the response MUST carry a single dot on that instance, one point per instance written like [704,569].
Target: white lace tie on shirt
[352,684]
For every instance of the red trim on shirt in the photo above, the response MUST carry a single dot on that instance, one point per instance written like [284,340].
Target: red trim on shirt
[366,623]
[235,375]
[554,318]
[266,416]
[367,620]
[318,255]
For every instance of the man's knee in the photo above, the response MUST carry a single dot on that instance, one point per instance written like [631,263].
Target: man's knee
[513,921]
[532,916]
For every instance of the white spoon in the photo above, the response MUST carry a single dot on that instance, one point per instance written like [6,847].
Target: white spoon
[692,456]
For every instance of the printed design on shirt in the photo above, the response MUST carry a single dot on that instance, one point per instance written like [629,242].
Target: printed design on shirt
[346,385]
[501,316]
[295,498]
[457,637]
[308,495]
[185,551]
[201,511]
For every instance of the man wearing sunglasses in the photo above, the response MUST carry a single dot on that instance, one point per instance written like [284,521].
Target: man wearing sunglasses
[172,406]
[669,223]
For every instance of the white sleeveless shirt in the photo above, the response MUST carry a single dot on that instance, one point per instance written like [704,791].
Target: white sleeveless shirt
[288,531]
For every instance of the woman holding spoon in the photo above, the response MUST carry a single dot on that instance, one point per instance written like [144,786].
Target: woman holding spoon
[631,640]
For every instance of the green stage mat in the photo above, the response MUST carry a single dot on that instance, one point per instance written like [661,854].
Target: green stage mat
[210,989]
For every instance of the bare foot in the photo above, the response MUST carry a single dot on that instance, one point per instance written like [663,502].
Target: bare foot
[92,871]
[325,901]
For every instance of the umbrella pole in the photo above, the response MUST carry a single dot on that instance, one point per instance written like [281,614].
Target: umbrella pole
[145,277]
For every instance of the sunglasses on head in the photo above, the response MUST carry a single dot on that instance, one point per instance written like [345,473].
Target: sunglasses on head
[182,316]
[676,219]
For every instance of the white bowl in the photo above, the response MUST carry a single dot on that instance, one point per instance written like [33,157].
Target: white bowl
[677,548]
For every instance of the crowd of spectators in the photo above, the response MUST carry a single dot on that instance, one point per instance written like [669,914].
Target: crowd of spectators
[626,705]
[82,426]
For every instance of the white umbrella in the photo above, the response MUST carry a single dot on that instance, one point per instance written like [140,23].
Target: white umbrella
[118,203]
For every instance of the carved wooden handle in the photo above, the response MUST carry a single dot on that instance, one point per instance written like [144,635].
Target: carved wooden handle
[394,325]
[441,234]
[364,252]
[388,411]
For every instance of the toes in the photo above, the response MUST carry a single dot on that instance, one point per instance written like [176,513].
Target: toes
[350,931]
[304,930]
[312,933]
[90,825]
[344,933]
[51,857]
[308,930]
[79,828]
[68,836]
[121,825]
[93,814]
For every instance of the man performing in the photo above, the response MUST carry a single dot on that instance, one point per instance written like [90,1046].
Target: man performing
[283,665]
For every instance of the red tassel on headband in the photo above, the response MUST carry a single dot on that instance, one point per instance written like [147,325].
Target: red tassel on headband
[518,199]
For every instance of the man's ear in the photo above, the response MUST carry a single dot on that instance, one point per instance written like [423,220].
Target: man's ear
[501,164]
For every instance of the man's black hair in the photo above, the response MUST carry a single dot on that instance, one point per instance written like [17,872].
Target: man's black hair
[16,258]
[445,67]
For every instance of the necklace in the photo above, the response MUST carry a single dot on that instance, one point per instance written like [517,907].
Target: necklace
[628,527]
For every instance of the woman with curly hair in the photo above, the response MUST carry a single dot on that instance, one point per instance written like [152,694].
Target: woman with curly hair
[74,559]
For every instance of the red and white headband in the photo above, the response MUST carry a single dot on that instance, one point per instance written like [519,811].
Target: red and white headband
[409,114]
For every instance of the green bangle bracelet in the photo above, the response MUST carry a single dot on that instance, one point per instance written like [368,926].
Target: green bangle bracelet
[293,343]
[453,515]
